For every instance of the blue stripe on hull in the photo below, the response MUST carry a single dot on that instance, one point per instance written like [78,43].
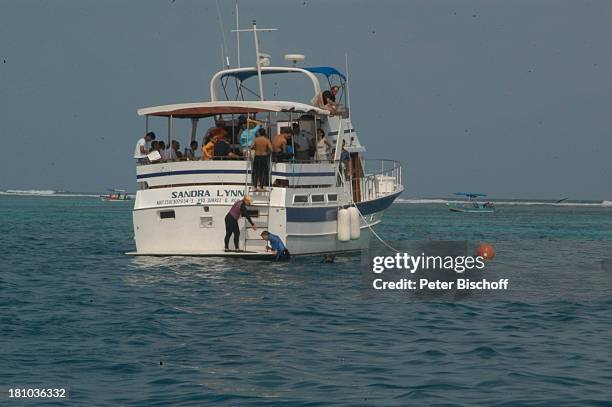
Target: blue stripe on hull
[275,173]
[302,214]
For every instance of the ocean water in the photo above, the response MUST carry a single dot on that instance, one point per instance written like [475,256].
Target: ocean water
[115,330]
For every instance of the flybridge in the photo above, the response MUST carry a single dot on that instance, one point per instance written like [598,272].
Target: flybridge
[242,74]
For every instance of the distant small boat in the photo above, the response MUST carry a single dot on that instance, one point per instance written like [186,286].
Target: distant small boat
[116,195]
[471,205]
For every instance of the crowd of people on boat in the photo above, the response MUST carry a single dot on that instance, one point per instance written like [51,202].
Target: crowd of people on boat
[291,144]
[252,142]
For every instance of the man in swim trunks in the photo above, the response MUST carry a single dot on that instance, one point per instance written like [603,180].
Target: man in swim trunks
[261,167]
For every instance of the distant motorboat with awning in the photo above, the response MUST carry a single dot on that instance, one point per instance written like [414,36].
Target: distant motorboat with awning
[471,205]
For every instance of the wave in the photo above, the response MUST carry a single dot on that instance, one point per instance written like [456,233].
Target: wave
[46,193]
[496,202]
[30,192]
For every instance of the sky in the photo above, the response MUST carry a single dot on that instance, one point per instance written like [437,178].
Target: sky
[509,98]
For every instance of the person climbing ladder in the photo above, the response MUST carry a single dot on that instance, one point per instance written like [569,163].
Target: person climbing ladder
[239,208]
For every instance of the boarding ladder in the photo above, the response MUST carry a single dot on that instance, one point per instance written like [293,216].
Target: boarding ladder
[261,202]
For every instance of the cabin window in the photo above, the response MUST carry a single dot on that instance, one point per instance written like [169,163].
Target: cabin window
[166,215]
[300,199]
[317,198]
[207,222]
[332,197]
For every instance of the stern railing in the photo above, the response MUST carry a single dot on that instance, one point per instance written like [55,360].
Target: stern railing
[381,178]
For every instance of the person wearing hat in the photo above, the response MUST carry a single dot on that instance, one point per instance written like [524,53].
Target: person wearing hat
[239,208]
[277,246]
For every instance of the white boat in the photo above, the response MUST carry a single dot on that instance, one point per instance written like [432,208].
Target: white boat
[180,205]
[471,206]
[116,195]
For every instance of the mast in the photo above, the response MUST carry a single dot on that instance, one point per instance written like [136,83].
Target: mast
[258,62]
[348,95]
[237,35]
[254,30]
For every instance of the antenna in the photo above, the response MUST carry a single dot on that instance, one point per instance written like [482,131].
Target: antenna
[226,59]
[260,59]
[348,94]
[237,35]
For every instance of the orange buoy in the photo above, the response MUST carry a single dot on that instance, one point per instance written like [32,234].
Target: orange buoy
[485,251]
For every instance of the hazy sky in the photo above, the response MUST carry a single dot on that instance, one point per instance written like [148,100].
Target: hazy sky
[511,98]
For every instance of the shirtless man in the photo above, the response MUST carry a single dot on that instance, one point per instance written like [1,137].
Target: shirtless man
[261,168]
[279,145]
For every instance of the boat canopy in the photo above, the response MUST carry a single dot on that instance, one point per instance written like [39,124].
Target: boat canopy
[246,74]
[470,194]
[207,109]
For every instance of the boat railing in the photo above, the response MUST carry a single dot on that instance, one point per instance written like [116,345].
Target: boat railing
[381,177]
[238,158]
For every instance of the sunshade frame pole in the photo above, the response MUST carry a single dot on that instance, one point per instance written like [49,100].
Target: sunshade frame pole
[316,133]
[194,128]
[169,134]
[259,79]
[292,138]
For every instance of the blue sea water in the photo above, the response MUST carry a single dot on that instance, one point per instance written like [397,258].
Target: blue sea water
[116,330]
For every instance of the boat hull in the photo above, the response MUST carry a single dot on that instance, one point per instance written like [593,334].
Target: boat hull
[196,226]
[469,208]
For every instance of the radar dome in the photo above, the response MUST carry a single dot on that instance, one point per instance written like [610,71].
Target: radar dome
[295,58]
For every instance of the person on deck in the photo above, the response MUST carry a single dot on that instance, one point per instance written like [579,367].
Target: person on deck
[303,143]
[222,149]
[175,152]
[279,145]
[239,208]
[261,165]
[327,100]
[323,146]
[162,150]
[140,153]
[277,246]
[191,152]
[345,160]
[208,149]
[248,134]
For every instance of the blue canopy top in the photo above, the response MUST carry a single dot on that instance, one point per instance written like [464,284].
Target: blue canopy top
[326,70]
[470,194]
[323,70]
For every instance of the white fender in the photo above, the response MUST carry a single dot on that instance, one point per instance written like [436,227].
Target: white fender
[344,225]
[355,222]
